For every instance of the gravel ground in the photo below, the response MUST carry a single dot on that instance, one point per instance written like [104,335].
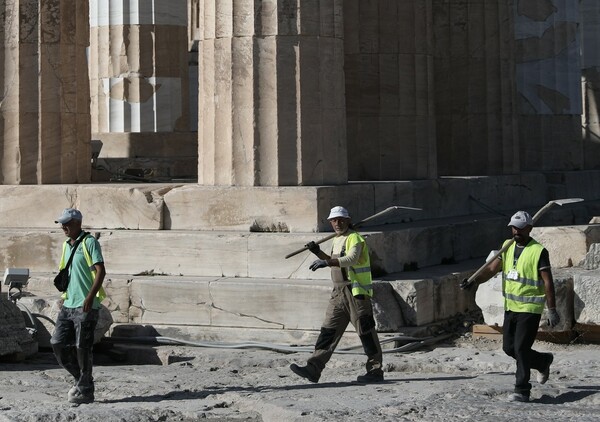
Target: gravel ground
[465,379]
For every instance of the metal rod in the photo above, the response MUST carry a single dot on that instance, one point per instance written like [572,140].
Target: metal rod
[360,223]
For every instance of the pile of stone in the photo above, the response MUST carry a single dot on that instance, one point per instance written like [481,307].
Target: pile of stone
[17,342]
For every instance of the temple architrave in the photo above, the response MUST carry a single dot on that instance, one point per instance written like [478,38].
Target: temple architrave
[205,139]
[295,93]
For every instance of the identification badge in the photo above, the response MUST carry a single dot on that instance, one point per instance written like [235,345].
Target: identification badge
[513,275]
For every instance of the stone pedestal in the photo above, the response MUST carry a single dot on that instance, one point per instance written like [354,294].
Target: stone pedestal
[271,109]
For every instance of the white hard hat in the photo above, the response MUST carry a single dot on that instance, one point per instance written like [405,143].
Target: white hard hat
[337,212]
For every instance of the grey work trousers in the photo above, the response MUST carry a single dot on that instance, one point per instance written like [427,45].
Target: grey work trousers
[343,309]
[72,342]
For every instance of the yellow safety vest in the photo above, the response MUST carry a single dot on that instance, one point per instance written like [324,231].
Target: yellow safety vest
[101,295]
[360,274]
[522,287]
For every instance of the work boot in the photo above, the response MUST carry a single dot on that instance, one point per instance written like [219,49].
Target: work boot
[304,372]
[518,397]
[77,397]
[542,376]
[370,377]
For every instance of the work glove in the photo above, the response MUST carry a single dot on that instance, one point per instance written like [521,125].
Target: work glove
[465,285]
[553,318]
[313,247]
[319,263]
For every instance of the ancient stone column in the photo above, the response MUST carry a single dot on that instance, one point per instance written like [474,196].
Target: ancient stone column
[474,87]
[140,79]
[590,64]
[45,107]
[271,97]
[389,89]
[19,47]
[548,84]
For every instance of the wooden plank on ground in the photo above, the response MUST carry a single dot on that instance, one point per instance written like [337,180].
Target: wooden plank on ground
[487,331]
[495,332]
[587,333]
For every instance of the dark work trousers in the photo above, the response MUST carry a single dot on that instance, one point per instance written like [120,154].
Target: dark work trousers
[519,331]
[343,309]
[72,342]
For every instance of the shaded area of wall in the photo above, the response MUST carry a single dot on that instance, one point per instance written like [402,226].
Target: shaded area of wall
[590,68]
[547,56]
[388,51]
[475,88]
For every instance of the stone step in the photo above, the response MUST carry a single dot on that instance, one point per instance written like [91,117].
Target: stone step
[395,248]
[291,311]
[199,261]
[195,304]
[191,207]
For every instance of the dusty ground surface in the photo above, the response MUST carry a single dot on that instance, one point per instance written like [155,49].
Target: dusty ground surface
[465,379]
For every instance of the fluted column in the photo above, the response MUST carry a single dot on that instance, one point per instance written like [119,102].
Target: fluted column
[474,87]
[139,66]
[271,96]
[590,58]
[19,37]
[389,89]
[45,110]
[548,84]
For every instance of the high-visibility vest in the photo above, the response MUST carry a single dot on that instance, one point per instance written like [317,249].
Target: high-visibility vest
[360,274]
[101,295]
[523,291]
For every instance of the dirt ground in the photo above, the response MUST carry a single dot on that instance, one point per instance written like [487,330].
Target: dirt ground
[463,379]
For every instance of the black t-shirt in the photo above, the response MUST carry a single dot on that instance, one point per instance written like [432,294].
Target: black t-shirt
[544,262]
